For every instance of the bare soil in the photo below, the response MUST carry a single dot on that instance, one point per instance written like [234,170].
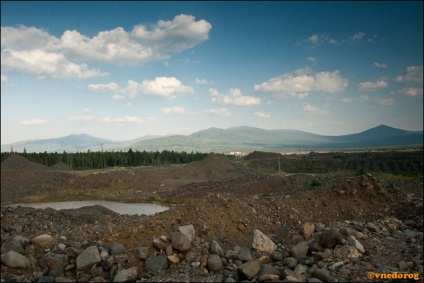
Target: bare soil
[223,199]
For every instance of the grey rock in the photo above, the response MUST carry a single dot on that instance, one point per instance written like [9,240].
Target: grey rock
[46,279]
[180,242]
[355,243]
[89,257]
[126,275]
[269,269]
[277,256]
[216,248]
[282,232]
[322,274]
[63,280]
[410,233]
[117,249]
[12,246]
[249,269]
[214,262]
[244,254]
[15,260]
[187,230]
[153,264]
[290,262]
[141,252]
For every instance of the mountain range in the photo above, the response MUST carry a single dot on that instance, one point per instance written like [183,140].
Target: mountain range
[242,139]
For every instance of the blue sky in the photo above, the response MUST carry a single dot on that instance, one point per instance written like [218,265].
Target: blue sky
[122,70]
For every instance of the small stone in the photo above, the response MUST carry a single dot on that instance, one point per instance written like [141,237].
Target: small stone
[43,240]
[262,242]
[300,250]
[141,252]
[15,260]
[214,262]
[249,269]
[173,259]
[307,230]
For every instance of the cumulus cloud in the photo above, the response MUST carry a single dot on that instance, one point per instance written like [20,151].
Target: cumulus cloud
[173,110]
[301,82]
[413,74]
[166,87]
[110,87]
[23,48]
[262,115]
[221,112]
[380,65]
[3,78]
[181,33]
[45,64]
[234,97]
[34,122]
[119,121]
[372,86]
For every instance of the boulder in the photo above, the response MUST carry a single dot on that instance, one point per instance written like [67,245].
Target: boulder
[262,242]
[89,257]
[15,260]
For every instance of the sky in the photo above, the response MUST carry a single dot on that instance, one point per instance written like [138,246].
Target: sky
[122,70]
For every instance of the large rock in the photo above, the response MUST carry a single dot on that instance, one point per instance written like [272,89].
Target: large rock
[300,250]
[330,238]
[180,242]
[89,257]
[12,246]
[43,240]
[15,260]
[355,243]
[250,269]
[153,264]
[126,275]
[187,230]
[214,262]
[117,249]
[216,248]
[262,242]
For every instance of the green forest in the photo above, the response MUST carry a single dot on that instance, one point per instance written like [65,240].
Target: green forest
[100,159]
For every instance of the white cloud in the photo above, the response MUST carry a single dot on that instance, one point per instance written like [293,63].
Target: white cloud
[413,74]
[34,122]
[119,121]
[371,86]
[118,96]
[181,33]
[203,82]
[222,112]
[363,98]
[311,59]
[45,64]
[300,83]
[166,87]
[110,87]
[234,97]
[385,101]
[380,65]
[309,108]
[318,39]
[23,49]
[173,110]
[3,79]
[262,115]
[347,100]
[357,36]
[412,91]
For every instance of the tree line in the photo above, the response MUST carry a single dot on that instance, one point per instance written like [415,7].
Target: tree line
[104,159]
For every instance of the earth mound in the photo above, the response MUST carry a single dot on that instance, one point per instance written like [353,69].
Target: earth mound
[60,167]
[15,162]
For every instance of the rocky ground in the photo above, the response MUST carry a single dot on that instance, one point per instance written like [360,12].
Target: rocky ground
[227,223]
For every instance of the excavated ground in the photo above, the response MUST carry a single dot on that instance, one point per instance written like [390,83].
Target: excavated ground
[224,200]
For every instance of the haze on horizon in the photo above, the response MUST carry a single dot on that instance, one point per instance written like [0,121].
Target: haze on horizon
[122,70]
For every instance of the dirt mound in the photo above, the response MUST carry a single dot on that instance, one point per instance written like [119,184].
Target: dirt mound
[15,162]
[261,155]
[216,161]
[60,167]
